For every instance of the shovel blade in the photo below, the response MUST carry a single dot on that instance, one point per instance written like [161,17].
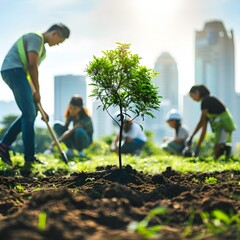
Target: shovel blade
[64,157]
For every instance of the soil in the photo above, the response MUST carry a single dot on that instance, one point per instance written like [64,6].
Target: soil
[101,205]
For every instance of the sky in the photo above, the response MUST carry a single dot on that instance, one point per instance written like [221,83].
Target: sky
[150,26]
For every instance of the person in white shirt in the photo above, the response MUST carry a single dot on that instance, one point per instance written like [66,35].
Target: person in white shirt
[133,139]
[177,144]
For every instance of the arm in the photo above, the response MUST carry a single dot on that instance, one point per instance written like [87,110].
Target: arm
[203,133]
[178,140]
[33,71]
[68,133]
[114,144]
[202,122]
[128,140]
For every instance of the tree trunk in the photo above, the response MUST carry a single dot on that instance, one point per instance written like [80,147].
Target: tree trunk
[120,139]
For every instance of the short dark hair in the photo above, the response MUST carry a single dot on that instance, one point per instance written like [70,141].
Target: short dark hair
[203,90]
[61,29]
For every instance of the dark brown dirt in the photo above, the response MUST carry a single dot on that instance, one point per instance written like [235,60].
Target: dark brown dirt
[100,205]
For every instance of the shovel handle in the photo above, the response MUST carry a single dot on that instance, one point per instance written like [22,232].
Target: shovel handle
[45,119]
[49,128]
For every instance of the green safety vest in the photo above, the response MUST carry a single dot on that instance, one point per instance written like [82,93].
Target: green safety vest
[23,56]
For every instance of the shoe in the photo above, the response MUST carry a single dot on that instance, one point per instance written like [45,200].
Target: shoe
[81,154]
[228,150]
[28,167]
[33,160]
[48,152]
[70,153]
[4,155]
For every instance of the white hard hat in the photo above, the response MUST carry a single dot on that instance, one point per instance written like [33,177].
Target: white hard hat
[173,115]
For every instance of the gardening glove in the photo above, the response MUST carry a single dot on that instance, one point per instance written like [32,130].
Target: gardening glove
[189,141]
[197,150]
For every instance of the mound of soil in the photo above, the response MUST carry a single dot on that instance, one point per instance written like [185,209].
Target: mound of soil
[102,204]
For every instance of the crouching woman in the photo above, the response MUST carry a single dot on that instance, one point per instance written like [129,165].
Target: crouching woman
[80,135]
[219,117]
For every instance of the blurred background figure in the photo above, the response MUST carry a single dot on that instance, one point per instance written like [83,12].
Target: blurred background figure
[176,144]
[133,137]
[79,136]
[217,114]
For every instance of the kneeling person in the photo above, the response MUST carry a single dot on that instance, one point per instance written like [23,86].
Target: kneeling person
[80,136]
[133,139]
[177,144]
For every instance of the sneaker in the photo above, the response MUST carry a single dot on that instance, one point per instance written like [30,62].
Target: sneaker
[33,160]
[81,154]
[4,155]
[28,166]
[228,150]
[70,153]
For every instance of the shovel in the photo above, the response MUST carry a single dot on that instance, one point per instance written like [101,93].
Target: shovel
[44,117]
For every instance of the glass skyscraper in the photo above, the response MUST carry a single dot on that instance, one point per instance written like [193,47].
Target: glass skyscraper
[66,86]
[214,61]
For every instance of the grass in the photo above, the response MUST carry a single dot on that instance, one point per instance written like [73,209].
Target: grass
[153,160]
[153,164]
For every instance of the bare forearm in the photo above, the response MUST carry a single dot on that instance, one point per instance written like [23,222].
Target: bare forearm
[199,125]
[66,134]
[203,133]
[33,71]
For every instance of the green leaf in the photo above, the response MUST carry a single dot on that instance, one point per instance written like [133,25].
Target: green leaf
[42,218]
[222,216]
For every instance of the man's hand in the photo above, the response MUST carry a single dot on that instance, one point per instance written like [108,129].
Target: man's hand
[46,117]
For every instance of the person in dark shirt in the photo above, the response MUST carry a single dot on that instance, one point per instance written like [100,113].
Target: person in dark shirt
[221,121]
[80,135]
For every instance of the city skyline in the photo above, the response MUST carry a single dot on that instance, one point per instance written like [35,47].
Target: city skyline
[152,27]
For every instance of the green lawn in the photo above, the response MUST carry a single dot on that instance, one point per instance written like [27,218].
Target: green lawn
[153,164]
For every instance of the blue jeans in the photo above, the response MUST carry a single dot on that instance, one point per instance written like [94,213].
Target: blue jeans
[78,140]
[173,148]
[133,147]
[18,83]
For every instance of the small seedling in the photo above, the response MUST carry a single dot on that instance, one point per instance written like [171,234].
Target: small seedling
[142,227]
[210,180]
[89,179]
[42,219]
[219,222]
[19,188]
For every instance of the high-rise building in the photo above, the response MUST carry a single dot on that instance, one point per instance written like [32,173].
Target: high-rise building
[65,87]
[167,79]
[167,83]
[214,61]
[102,122]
